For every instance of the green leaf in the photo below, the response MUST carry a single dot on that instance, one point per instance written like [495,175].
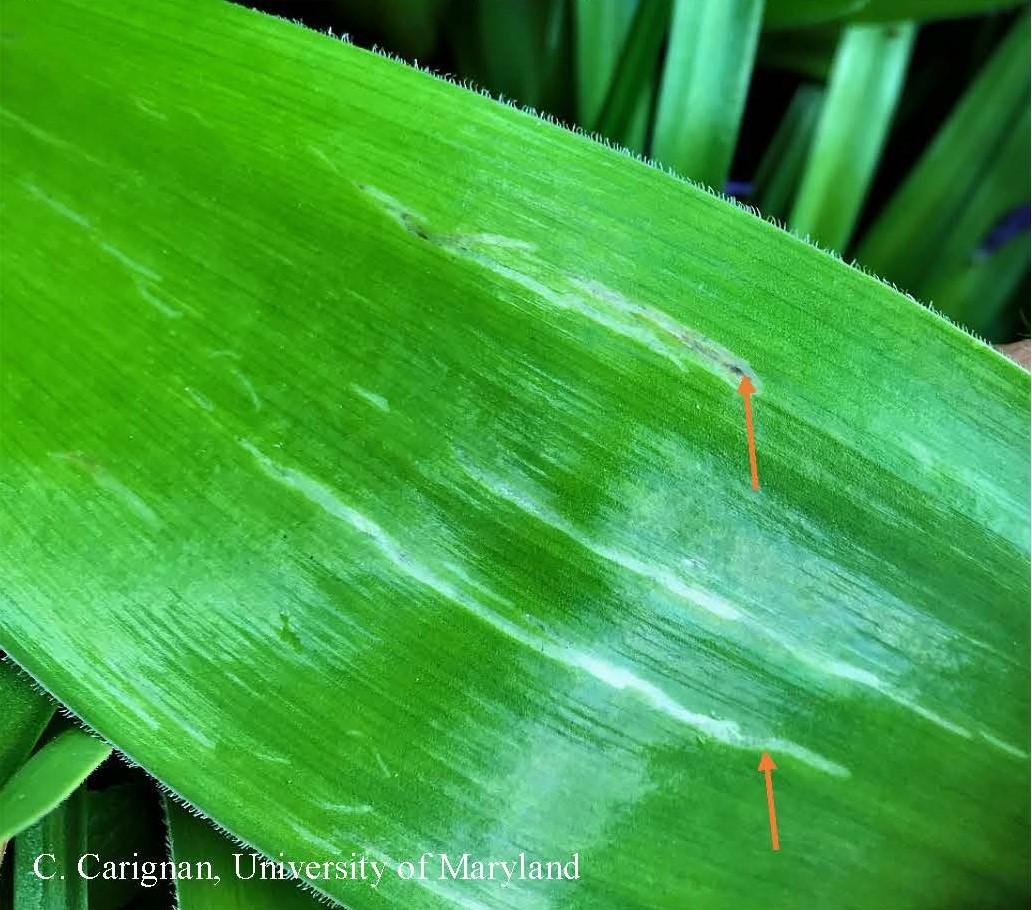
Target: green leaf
[523,48]
[973,173]
[24,713]
[866,81]
[705,81]
[374,475]
[781,168]
[48,778]
[976,292]
[601,27]
[795,13]
[223,876]
[634,69]
[52,848]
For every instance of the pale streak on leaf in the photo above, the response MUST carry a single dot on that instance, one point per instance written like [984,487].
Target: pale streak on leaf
[130,263]
[155,301]
[709,601]
[377,401]
[646,325]
[59,207]
[248,387]
[615,677]
[201,400]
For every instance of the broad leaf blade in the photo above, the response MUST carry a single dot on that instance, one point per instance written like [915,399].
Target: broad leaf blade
[420,471]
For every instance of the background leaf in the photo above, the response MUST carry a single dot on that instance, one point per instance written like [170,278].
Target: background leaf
[601,30]
[705,81]
[781,168]
[866,80]
[62,835]
[126,825]
[638,56]
[974,174]
[48,778]
[193,840]
[24,713]
[793,13]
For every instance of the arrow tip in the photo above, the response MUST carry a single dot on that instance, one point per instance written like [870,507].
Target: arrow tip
[745,387]
[767,763]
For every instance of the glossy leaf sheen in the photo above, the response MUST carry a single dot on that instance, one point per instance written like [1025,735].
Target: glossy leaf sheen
[375,477]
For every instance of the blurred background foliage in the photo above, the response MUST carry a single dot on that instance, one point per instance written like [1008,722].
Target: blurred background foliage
[895,132]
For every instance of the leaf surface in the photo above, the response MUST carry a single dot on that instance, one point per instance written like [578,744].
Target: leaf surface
[46,859]
[866,81]
[48,778]
[930,238]
[237,872]
[704,85]
[24,713]
[375,477]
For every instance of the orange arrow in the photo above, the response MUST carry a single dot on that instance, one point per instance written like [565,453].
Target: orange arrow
[745,389]
[766,766]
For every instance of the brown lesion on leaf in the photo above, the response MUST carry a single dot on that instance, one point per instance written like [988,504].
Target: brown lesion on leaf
[412,225]
[516,261]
